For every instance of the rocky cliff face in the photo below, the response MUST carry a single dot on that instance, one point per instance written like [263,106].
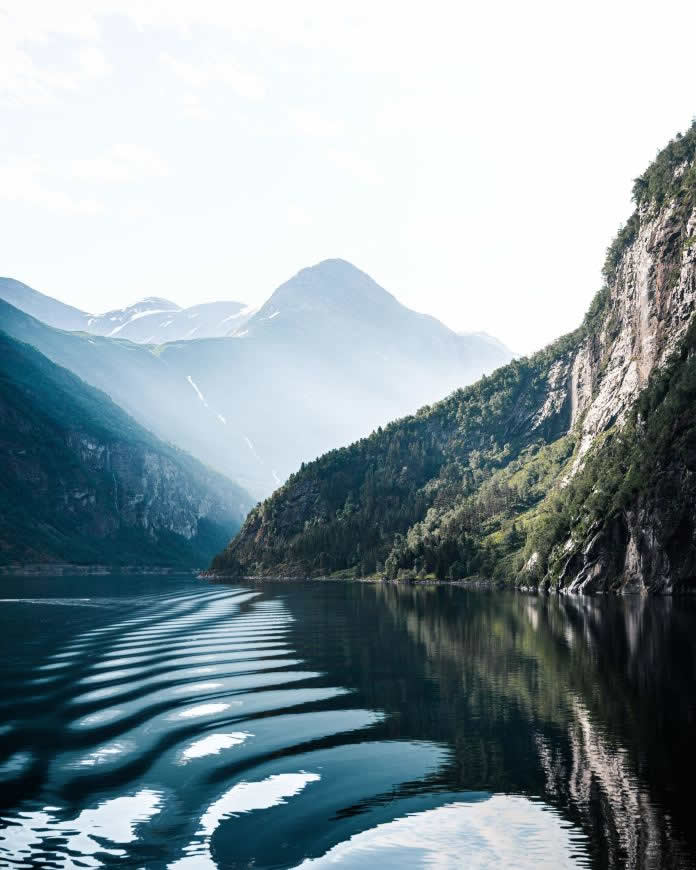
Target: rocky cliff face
[81,482]
[635,530]
[147,490]
[650,306]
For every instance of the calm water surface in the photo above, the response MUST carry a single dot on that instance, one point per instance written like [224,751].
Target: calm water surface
[171,723]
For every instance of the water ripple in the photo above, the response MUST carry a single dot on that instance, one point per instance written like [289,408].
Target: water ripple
[193,726]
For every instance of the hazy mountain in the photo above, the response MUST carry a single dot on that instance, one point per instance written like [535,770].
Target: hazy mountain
[82,482]
[156,321]
[324,361]
[152,320]
[338,308]
[574,468]
[49,310]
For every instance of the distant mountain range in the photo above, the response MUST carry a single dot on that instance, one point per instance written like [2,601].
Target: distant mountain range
[325,360]
[152,320]
[82,482]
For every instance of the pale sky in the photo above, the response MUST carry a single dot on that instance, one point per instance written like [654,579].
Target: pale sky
[475,158]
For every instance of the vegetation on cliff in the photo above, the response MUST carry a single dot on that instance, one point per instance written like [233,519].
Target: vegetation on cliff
[671,177]
[643,471]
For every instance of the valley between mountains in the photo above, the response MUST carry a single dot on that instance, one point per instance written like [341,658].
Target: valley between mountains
[330,356]
[145,435]
[205,424]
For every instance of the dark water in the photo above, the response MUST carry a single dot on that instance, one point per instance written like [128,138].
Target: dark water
[172,723]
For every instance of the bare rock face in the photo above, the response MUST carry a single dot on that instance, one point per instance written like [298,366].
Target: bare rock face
[648,548]
[585,570]
[557,393]
[646,563]
[148,490]
[642,550]
[651,303]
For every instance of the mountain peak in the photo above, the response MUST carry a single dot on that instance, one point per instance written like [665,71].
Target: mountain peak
[333,283]
[333,265]
[160,301]
[155,303]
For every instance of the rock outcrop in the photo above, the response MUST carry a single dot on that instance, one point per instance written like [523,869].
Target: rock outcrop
[650,307]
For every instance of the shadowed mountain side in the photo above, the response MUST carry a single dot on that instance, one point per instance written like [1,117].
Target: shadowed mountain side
[82,482]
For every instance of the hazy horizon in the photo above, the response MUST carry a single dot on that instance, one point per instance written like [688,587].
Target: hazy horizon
[251,307]
[475,162]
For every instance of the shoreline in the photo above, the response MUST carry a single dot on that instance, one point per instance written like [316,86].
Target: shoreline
[474,583]
[65,569]
[466,583]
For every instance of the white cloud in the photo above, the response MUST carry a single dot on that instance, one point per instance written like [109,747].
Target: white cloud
[23,82]
[49,184]
[121,163]
[93,62]
[312,123]
[298,216]
[22,182]
[192,107]
[29,26]
[216,72]
[359,167]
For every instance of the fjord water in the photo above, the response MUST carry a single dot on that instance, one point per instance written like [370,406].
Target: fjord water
[173,723]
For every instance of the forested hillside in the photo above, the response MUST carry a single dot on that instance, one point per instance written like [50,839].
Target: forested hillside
[81,482]
[560,469]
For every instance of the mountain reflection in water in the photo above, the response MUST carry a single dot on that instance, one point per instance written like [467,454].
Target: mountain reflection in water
[173,723]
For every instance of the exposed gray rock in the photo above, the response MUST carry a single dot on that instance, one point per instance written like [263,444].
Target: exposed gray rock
[651,303]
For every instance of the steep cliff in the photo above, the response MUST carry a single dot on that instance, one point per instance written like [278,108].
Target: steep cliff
[626,519]
[488,480]
[622,516]
[81,482]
